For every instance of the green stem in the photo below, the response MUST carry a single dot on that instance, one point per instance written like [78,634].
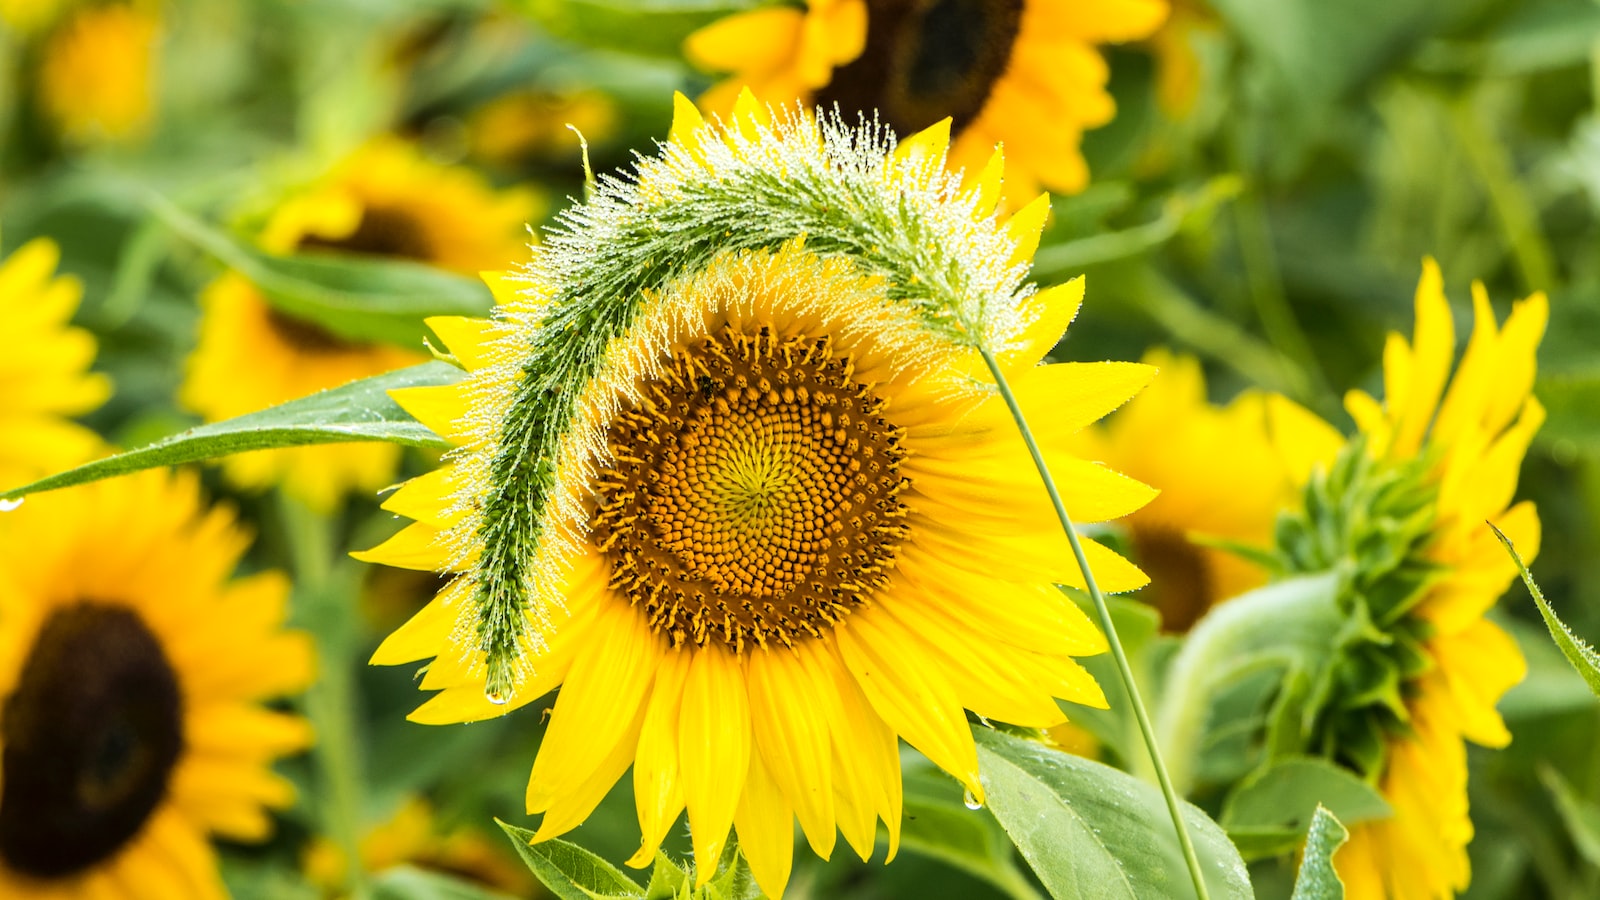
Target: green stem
[1266,292]
[330,703]
[1104,613]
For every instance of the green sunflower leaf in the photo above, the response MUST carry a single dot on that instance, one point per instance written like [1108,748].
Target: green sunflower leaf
[1092,831]
[646,27]
[1318,880]
[667,880]
[411,883]
[353,298]
[569,871]
[1269,812]
[358,411]
[937,824]
[1577,651]
[1580,816]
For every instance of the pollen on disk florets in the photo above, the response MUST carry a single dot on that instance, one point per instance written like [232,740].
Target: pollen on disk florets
[752,493]
[546,415]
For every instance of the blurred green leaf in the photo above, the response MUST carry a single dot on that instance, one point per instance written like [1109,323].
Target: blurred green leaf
[648,27]
[1092,831]
[1322,49]
[569,871]
[1582,657]
[1138,625]
[1193,209]
[1269,812]
[1572,401]
[410,883]
[936,823]
[354,298]
[358,411]
[1581,817]
[1318,880]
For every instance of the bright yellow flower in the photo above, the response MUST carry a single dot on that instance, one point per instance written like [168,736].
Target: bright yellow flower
[792,524]
[1023,73]
[384,200]
[1469,442]
[515,127]
[97,81]
[131,670]
[43,377]
[1220,476]
[413,836]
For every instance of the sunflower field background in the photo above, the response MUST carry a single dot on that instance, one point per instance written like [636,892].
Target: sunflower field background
[650,390]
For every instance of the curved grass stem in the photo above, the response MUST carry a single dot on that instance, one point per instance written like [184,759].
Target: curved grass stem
[1174,807]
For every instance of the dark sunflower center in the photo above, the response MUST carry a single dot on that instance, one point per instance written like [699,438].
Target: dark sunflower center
[91,736]
[927,59]
[753,493]
[1182,585]
[304,336]
[382,232]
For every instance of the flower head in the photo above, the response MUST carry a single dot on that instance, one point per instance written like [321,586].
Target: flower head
[384,200]
[131,670]
[97,80]
[42,373]
[1023,73]
[729,475]
[1222,478]
[1404,506]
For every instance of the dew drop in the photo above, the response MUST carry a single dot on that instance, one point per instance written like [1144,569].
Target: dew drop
[971,801]
[498,698]
[9,505]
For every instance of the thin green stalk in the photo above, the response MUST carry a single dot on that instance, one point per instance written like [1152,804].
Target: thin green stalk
[1104,614]
[1266,292]
[329,704]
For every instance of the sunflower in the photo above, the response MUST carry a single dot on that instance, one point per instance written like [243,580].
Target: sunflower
[413,836]
[97,79]
[42,373]
[1023,73]
[1436,464]
[131,670]
[772,539]
[384,200]
[1221,477]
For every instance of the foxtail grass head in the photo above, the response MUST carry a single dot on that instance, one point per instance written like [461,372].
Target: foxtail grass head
[732,472]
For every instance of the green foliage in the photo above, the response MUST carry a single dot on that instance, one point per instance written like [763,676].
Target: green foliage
[1268,813]
[1318,880]
[569,871]
[1583,657]
[359,300]
[359,411]
[646,27]
[1091,831]
[410,883]
[937,824]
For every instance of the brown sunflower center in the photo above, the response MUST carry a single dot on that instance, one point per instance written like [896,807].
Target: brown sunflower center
[91,736]
[753,492]
[383,232]
[927,59]
[1182,585]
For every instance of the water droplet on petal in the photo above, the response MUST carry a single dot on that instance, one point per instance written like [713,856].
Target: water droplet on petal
[971,801]
[9,505]
[497,697]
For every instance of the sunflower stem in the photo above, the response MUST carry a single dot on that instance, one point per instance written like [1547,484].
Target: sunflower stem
[1103,612]
[330,703]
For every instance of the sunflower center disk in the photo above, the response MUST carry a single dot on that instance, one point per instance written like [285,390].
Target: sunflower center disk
[927,59]
[91,736]
[753,493]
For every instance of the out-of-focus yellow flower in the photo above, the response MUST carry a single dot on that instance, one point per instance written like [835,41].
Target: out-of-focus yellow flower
[1023,73]
[97,80]
[43,371]
[1464,448]
[385,200]
[1220,474]
[782,549]
[412,836]
[522,124]
[1178,67]
[29,16]
[131,674]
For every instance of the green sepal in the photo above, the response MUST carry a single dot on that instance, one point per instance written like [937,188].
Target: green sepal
[358,411]
[667,879]
[1268,813]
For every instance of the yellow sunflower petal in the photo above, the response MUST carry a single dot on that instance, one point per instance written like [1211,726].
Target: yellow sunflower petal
[713,751]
